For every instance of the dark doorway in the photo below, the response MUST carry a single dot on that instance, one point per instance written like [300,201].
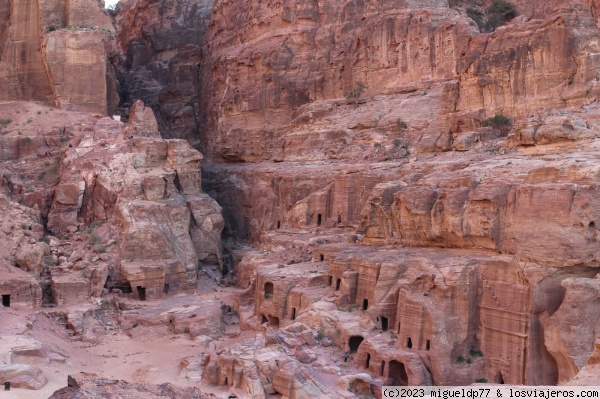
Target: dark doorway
[382,368]
[274,321]
[330,282]
[268,290]
[141,292]
[225,382]
[499,379]
[365,304]
[264,319]
[319,219]
[293,313]
[337,284]
[6,301]
[339,218]
[354,342]
[428,345]
[398,328]
[322,257]
[409,343]
[368,360]
[166,288]
[397,373]
[278,224]
[384,323]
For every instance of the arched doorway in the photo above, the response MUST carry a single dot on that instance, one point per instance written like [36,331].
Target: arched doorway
[354,342]
[397,373]
[367,364]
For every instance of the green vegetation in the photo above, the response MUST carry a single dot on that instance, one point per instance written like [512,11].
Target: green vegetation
[50,28]
[481,380]
[475,352]
[377,145]
[460,359]
[5,121]
[357,91]
[401,124]
[498,121]
[101,250]
[497,14]
[41,176]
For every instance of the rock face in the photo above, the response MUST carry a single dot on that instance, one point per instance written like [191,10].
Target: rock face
[84,385]
[23,376]
[161,66]
[291,90]
[52,51]
[142,194]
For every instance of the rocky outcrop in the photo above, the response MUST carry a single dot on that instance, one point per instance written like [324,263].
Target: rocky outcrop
[123,184]
[570,333]
[58,52]
[23,376]
[86,385]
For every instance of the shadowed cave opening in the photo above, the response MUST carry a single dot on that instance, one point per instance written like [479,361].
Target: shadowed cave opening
[6,301]
[293,313]
[397,373]
[368,362]
[141,292]
[269,290]
[354,342]
[384,323]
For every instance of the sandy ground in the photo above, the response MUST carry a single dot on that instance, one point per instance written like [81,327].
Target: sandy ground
[147,355]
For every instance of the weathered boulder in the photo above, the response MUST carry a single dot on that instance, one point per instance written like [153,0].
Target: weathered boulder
[23,376]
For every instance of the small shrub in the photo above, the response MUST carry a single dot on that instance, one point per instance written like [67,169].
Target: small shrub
[481,380]
[498,121]
[394,336]
[94,239]
[24,226]
[320,333]
[29,120]
[357,91]
[5,121]
[476,16]
[27,141]
[460,359]
[377,145]
[469,361]
[425,294]
[45,239]
[268,296]
[475,352]
[41,176]
[102,250]
[134,325]
[50,28]
[499,12]
[401,124]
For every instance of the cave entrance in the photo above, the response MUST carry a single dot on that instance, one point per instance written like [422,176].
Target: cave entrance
[278,225]
[428,345]
[365,304]
[319,219]
[409,343]
[274,321]
[397,373]
[264,319]
[322,257]
[269,290]
[141,292]
[166,288]
[368,360]
[293,313]
[330,281]
[384,323]
[6,301]
[499,379]
[339,218]
[354,342]
[337,284]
